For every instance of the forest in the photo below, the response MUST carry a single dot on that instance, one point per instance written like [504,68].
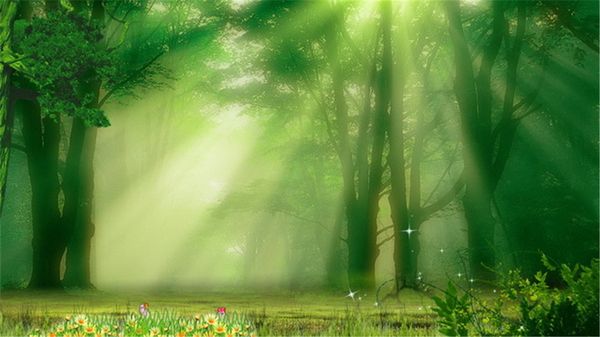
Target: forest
[299,167]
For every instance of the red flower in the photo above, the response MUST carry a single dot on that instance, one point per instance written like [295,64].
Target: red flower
[221,310]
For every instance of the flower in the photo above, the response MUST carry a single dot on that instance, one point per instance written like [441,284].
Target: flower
[154,331]
[67,317]
[81,320]
[60,329]
[132,322]
[221,311]
[189,328]
[181,334]
[144,309]
[211,319]
[90,329]
[52,334]
[105,329]
[220,329]
[197,317]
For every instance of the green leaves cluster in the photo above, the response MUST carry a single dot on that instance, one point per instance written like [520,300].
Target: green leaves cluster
[453,311]
[569,309]
[66,61]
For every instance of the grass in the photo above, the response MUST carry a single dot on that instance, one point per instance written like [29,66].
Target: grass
[273,314]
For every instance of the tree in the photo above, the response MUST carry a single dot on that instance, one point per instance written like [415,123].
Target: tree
[486,145]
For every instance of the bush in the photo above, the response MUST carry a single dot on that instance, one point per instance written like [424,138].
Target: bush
[526,307]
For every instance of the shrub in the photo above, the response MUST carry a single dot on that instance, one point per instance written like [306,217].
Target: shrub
[526,306]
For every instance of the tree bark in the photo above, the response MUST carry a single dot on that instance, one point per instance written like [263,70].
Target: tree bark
[79,188]
[41,139]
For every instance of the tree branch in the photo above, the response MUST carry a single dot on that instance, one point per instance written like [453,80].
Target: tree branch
[379,244]
[128,79]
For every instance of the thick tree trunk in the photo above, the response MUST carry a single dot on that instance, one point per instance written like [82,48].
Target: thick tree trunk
[41,139]
[361,268]
[8,13]
[79,188]
[475,101]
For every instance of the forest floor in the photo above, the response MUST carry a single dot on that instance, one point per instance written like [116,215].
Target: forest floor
[273,314]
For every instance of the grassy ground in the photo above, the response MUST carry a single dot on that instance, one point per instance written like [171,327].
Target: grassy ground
[280,314]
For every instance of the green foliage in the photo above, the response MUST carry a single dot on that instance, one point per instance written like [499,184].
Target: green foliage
[453,311]
[66,61]
[541,310]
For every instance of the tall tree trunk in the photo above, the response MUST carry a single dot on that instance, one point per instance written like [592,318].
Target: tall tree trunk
[8,13]
[392,95]
[475,101]
[361,273]
[41,139]
[79,188]
[78,210]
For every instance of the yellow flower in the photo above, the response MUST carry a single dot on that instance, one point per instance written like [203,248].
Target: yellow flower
[154,331]
[189,328]
[67,317]
[221,329]
[132,322]
[197,317]
[105,329]
[90,329]
[81,320]
[211,319]
[60,329]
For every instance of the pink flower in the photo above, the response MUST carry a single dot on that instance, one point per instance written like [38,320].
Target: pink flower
[221,311]
[144,309]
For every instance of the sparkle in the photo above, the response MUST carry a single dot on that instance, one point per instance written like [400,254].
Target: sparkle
[459,275]
[494,291]
[409,231]
[420,308]
[351,294]
[471,280]
[442,250]
[376,304]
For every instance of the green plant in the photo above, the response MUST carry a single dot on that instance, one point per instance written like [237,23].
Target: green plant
[526,306]
[164,323]
[453,311]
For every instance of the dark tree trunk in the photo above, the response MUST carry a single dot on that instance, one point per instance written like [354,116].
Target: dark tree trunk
[391,94]
[79,188]
[361,268]
[77,212]
[485,149]
[41,137]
